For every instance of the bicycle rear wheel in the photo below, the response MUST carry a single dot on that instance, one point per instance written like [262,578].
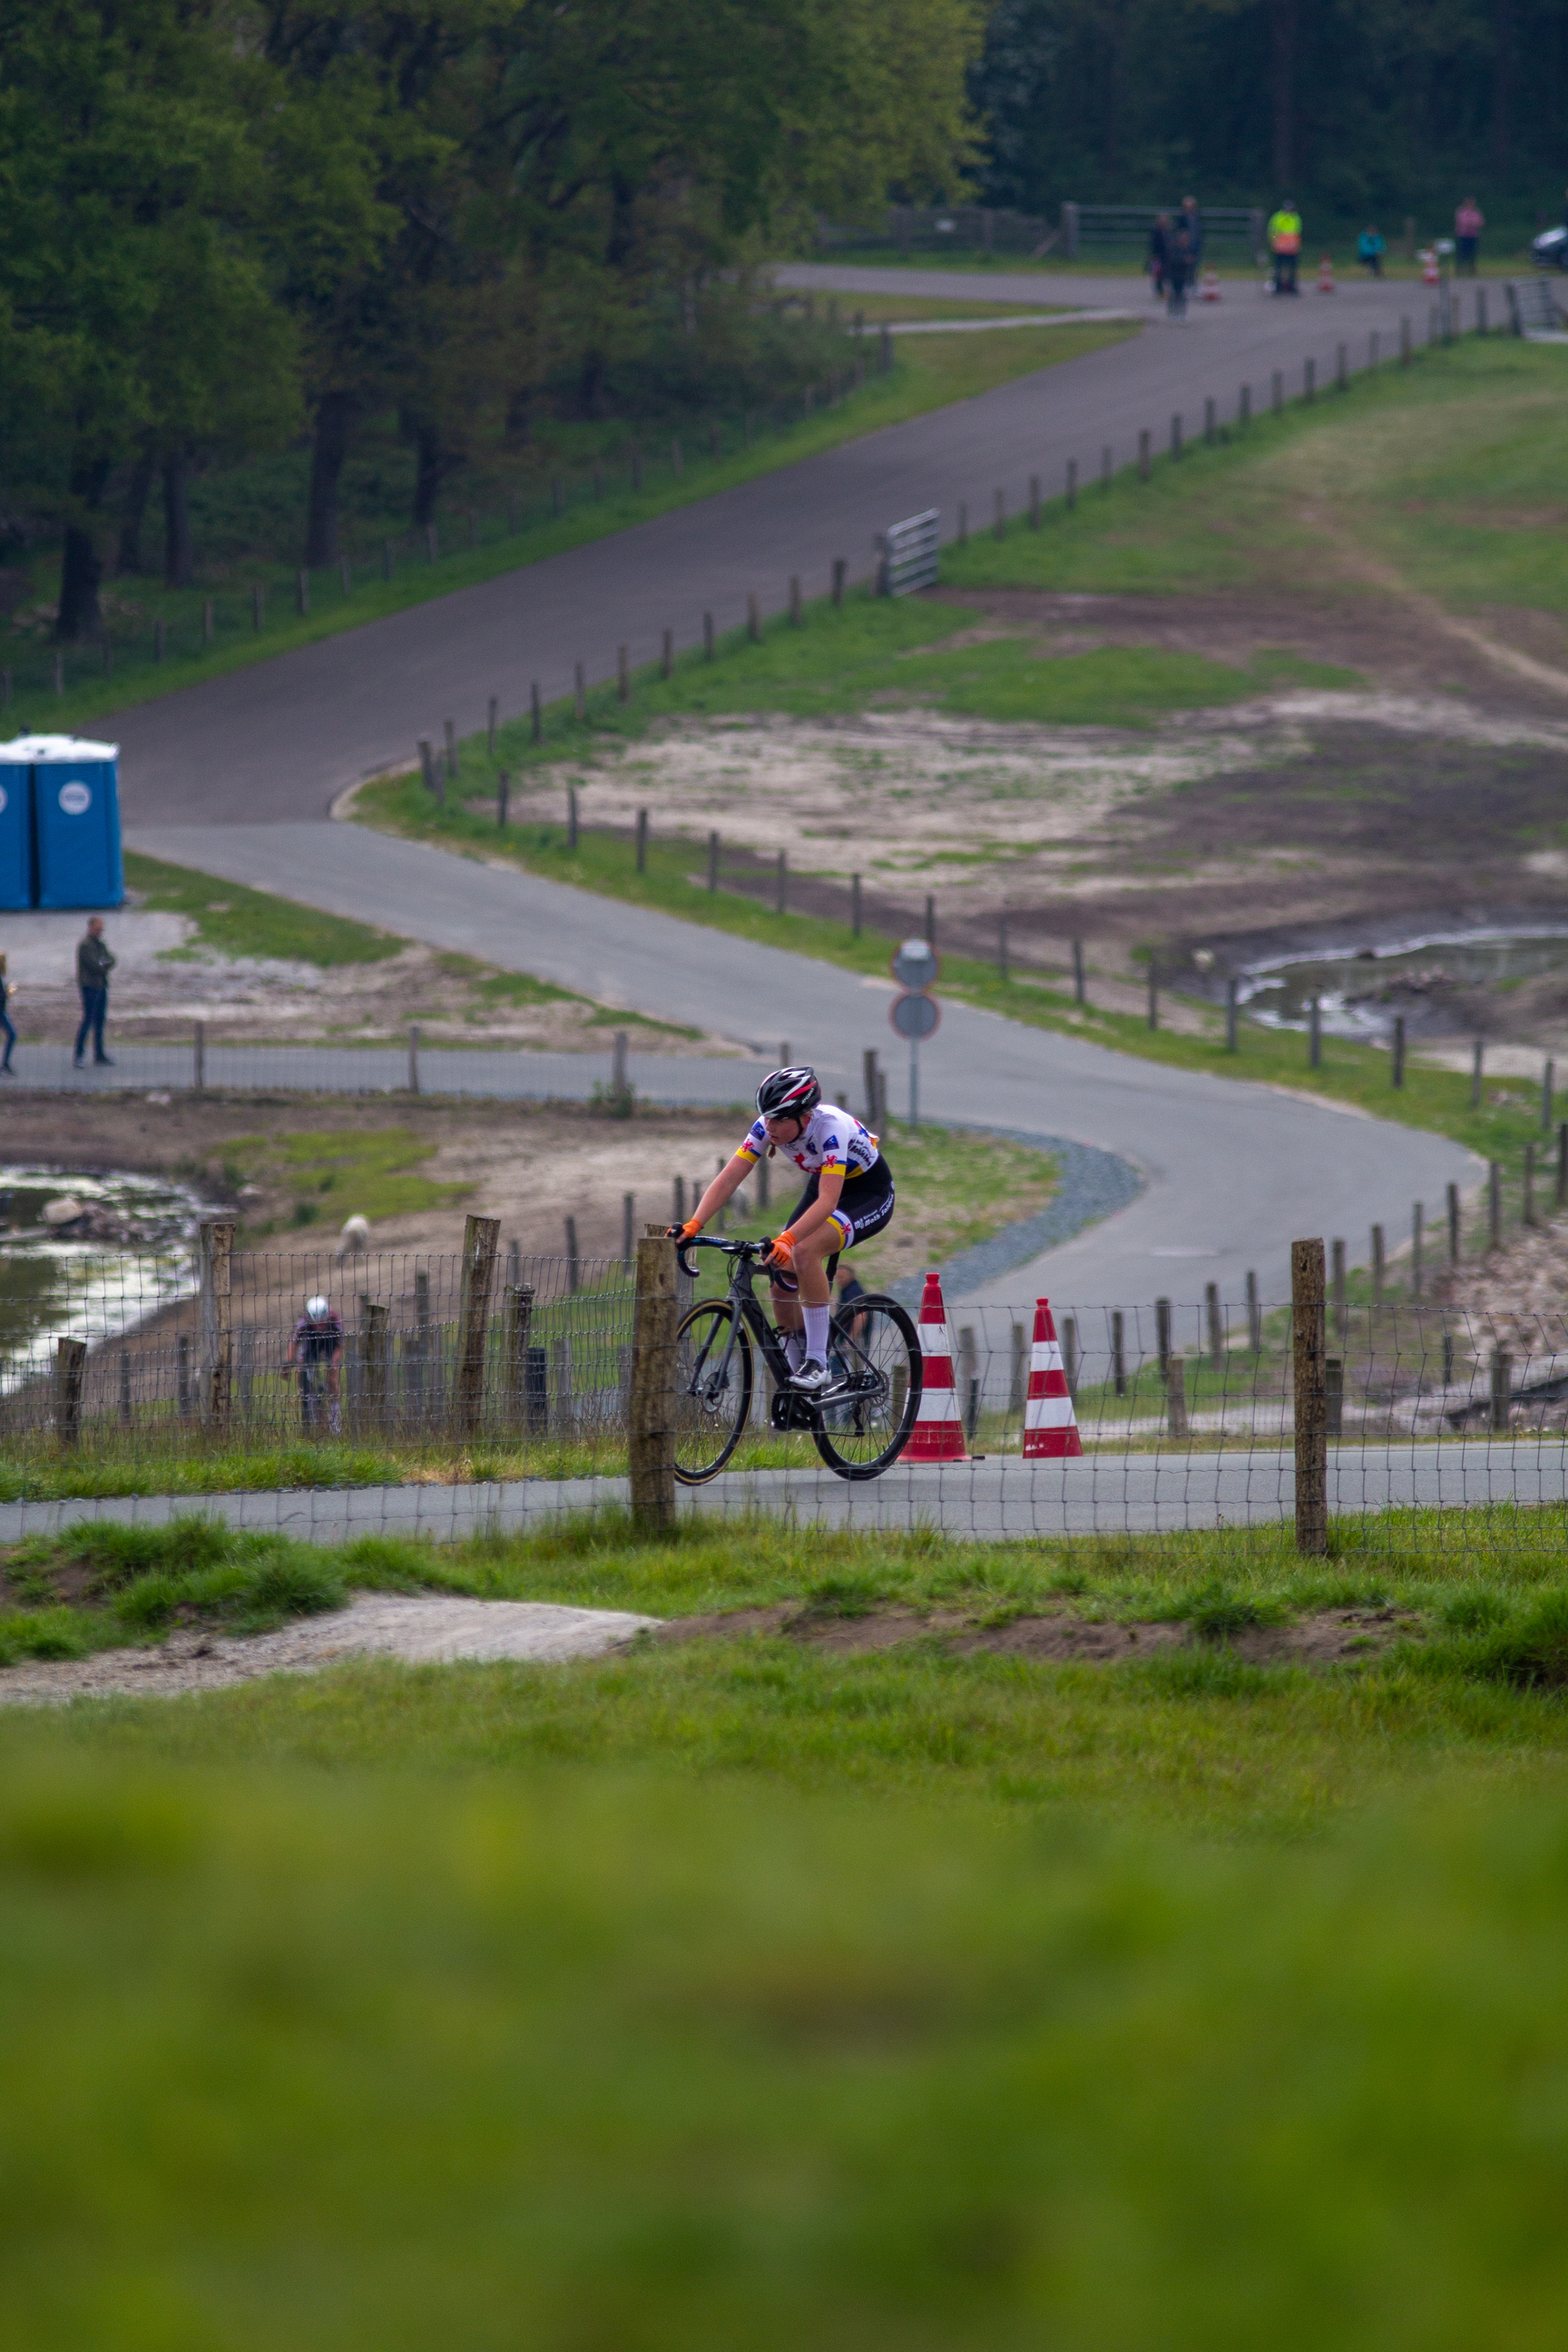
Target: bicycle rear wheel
[876,1351]
[712,1399]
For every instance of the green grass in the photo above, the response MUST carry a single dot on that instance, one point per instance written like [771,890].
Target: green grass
[927,373]
[338,1173]
[230,921]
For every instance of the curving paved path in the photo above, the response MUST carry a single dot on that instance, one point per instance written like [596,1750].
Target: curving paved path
[1234,1170]
[276,742]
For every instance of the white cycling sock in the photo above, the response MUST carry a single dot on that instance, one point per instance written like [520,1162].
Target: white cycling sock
[816,1321]
[794,1349]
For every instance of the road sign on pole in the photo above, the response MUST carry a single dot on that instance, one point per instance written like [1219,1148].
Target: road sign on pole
[916,1014]
[916,964]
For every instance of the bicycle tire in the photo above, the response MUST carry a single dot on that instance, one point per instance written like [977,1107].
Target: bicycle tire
[700,1426]
[900,1349]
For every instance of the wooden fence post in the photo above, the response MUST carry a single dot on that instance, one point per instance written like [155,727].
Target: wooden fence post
[652,1405]
[482,1243]
[1309,1363]
[1177,1398]
[1117,1350]
[217,1329]
[373,1345]
[70,1366]
[1501,1389]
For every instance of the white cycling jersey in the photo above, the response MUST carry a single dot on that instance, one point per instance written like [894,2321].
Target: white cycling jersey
[831,1139]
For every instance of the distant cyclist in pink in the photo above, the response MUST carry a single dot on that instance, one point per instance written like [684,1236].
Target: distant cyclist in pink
[849,1196]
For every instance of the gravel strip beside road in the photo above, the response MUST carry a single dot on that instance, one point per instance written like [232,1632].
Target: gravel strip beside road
[417,1629]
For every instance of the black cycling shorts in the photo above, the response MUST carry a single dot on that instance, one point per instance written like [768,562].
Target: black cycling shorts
[865,1206]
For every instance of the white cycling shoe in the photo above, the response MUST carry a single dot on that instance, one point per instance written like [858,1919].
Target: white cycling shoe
[812,1374]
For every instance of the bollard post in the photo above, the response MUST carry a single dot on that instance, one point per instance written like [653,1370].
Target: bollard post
[1315,1033]
[1417,1246]
[1162,1335]
[1254,1315]
[536,713]
[1309,1365]
[642,841]
[1342,1312]
[1377,1265]
[1117,1350]
[1217,1336]
[1079,987]
[1501,1389]
[1396,1067]
[199,1057]
[1177,1398]
[1453,1209]
[414,1057]
[855,905]
[1494,1206]
[652,1405]
[70,1369]
[1476,1074]
[1232,994]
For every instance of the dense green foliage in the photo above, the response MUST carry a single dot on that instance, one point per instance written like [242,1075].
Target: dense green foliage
[219,228]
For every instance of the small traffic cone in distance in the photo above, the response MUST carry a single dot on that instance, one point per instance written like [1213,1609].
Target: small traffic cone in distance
[938,1432]
[1050,1424]
[1326,275]
[1431,275]
[1210,292]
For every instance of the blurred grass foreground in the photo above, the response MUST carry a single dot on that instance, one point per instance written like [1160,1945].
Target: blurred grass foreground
[615,2065]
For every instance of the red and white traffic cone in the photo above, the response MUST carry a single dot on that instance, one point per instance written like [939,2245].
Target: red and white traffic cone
[938,1432]
[1210,290]
[1431,273]
[1326,275]
[1050,1424]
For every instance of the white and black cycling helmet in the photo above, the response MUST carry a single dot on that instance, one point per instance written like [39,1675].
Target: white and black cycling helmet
[789,1094]
[318,1310]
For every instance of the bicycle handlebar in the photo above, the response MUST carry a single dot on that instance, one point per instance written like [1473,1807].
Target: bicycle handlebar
[729,1249]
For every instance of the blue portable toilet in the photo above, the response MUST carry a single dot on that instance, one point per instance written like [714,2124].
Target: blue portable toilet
[16,829]
[76,820]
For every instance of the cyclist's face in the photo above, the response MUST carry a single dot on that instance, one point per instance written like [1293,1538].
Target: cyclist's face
[784,1130]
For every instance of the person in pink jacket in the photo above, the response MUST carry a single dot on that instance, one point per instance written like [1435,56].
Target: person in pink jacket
[1469,223]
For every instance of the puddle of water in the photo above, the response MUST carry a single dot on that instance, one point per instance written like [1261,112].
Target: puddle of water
[93,1275]
[1362,991]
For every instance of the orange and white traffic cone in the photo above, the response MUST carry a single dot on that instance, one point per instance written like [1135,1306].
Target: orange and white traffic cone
[1050,1424]
[1210,290]
[938,1432]
[1326,275]
[1431,275]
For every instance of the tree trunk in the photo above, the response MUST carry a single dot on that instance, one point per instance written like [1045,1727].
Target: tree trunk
[429,471]
[1283,26]
[81,566]
[179,560]
[329,447]
[129,556]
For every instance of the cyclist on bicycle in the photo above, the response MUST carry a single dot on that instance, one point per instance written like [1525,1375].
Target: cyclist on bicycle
[316,1345]
[849,1196]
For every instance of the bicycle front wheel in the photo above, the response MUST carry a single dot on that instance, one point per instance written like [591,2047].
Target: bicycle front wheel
[866,1418]
[712,1397]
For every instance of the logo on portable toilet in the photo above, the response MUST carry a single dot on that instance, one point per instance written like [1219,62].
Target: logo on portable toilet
[1050,1424]
[1326,275]
[1210,290]
[74,800]
[938,1432]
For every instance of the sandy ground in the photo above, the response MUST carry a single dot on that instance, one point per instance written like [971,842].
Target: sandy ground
[1438,784]
[417,1629]
[165,980]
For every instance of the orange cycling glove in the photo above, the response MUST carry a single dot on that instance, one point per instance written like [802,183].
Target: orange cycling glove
[686,1233]
[781,1251]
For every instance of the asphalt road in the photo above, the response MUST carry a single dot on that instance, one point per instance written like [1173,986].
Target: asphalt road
[1234,1170]
[276,743]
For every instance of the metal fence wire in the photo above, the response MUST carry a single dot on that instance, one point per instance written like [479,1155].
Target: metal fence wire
[509,1382]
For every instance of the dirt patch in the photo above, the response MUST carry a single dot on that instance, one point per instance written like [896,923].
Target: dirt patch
[418,1629]
[1058,1637]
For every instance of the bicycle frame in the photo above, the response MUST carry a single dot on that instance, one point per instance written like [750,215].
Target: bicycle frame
[803,1411]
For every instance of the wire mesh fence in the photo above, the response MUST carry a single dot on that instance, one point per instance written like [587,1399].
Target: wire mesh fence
[510,1383]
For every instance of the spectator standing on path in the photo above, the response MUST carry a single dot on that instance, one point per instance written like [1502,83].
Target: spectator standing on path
[1469,223]
[1369,251]
[1180,264]
[1285,244]
[5,1069]
[1159,252]
[93,965]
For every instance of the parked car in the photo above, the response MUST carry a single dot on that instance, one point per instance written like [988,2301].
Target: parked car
[1550,249]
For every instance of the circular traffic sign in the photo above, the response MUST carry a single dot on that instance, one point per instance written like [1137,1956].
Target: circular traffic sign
[916,964]
[915,1015]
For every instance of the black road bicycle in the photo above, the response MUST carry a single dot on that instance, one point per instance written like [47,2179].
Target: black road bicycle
[860,1423]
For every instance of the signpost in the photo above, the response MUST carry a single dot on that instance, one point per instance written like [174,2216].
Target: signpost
[916,1014]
